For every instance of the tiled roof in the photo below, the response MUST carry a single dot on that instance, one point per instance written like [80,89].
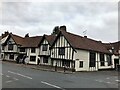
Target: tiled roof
[50,38]
[79,42]
[18,40]
[32,41]
[115,45]
[26,41]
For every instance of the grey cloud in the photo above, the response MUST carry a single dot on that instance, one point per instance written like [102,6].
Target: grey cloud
[40,18]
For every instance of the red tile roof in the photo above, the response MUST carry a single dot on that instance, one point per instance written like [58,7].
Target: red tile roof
[50,38]
[18,40]
[26,41]
[79,42]
[115,45]
[32,41]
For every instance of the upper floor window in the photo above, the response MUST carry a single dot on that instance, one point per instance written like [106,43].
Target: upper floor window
[22,49]
[61,51]
[32,50]
[44,47]
[2,47]
[102,60]
[10,46]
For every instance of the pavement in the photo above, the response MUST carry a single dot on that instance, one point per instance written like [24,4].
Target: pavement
[20,76]
[42,67]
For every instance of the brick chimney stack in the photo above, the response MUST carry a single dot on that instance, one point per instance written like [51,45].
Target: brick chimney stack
[5,34]
[63,28]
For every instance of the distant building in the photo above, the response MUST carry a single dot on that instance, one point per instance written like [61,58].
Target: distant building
[114,48]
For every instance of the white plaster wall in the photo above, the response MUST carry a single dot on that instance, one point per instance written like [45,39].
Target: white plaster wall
[44,52]
[32,54]
[82,55]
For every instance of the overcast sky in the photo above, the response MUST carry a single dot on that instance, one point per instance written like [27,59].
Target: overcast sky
[100,19]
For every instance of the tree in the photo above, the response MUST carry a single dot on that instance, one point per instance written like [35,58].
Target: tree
[55,30]
[27,35]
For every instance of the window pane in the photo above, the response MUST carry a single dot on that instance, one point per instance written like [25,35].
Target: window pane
[44,47]
[11,56]
[81,64]
[92,59]
[109,60]
[10,47]
[45,59]
[61,51]
[32,58]
[32,50]
[2,47]
[22,49]
[102,60]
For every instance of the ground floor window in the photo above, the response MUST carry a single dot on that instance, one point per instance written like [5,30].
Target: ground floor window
[45,59]
[11,56]
[92,59]
[32,58]
[81,64]
[66,63]
[109,60]
[102,60]
[1,55]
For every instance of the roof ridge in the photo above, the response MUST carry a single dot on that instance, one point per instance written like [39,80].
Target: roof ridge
[84,37]
[16,35]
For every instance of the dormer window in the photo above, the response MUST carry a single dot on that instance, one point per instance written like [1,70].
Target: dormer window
[10,46]
[44,47]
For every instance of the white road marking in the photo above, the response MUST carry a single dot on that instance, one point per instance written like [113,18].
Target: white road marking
[105,82]
[51,85]
[7,76]
[108,78]
[8,81]
[108,82]
[20,74]
[1,74]
[15,79]
[117,80]
[99,80]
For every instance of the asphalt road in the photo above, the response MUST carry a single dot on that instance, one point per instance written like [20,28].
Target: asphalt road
[16,76]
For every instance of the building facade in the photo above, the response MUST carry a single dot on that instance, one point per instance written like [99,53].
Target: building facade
[77,52]
[63,49]
[45,45]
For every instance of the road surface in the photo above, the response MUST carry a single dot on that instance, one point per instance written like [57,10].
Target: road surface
[16,76]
